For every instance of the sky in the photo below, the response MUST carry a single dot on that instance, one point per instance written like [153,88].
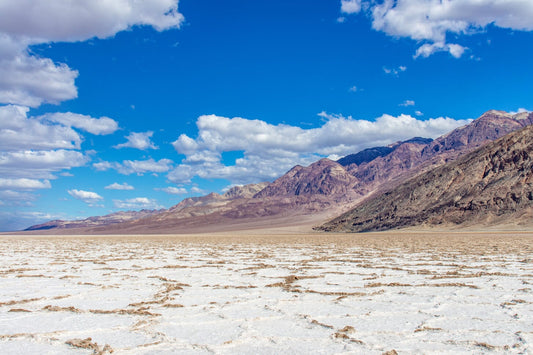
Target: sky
[116,105]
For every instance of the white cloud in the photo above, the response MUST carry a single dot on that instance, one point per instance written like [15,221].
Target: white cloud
[29,80]
[270,150]
[140,140]
[17,198]
[432,20]
[98,126]
[419,113]
[197,190]
[88,197]
[24,184]
[137,203]
[428,49]
[18,131]
[353,89]
[394,71]
[117,186]
[520,110]
[407,103]
[174,190]
[350,6]
[39,164]
[139,167]
[68,21]
[103,166]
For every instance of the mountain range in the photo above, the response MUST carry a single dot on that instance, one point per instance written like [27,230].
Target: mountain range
[354,188]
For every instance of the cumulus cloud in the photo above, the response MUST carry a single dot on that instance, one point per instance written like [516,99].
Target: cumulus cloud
[270,150]
[137,203]
[428,49]
[520,110]
[29,80]
[39,164]
[117,186]
[138,167]
[431,20]
[88,197]
[140,140]
[173,190]
[408,103]
[18,131]
[350,6]
[98,126]
[67,21]
[24,184]
[197,190]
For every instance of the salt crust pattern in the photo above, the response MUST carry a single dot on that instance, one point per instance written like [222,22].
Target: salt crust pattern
[267,294]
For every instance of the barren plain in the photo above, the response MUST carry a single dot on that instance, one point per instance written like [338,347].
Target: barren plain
[301,293]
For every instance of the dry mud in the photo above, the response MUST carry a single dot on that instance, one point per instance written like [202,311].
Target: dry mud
[300,293]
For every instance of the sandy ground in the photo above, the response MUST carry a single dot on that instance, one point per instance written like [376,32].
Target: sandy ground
[267,293]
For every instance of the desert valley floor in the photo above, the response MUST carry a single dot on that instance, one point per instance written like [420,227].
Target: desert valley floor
[265,293]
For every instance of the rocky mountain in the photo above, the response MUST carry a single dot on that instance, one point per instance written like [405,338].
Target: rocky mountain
[325,177]
[492,185]
[245,191]
[415,156]
[490,126]
[369,154]
[322,190]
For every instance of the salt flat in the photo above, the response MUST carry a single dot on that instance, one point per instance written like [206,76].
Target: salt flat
[249,294]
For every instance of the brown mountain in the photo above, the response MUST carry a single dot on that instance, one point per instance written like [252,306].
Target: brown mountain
[492,185]
[325,177]
[323,189]
[413,157]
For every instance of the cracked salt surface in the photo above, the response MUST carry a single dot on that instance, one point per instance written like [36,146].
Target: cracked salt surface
[332,294]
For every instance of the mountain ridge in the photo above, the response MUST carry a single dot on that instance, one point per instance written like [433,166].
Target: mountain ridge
[492,185]
[325,187]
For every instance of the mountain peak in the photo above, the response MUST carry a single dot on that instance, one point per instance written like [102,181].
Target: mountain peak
[489,186]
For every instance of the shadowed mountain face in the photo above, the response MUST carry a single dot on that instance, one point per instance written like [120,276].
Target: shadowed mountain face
[490,186]
[369,154]
[323,188]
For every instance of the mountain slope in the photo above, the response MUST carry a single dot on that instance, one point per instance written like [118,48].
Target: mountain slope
[413,157]
[113,218]
[490,186]
[369,154]
[325,177]
[323,189]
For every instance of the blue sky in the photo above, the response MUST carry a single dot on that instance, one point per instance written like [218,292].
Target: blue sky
[117,105]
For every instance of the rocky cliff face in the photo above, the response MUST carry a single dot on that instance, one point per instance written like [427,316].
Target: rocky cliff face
[489,186]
